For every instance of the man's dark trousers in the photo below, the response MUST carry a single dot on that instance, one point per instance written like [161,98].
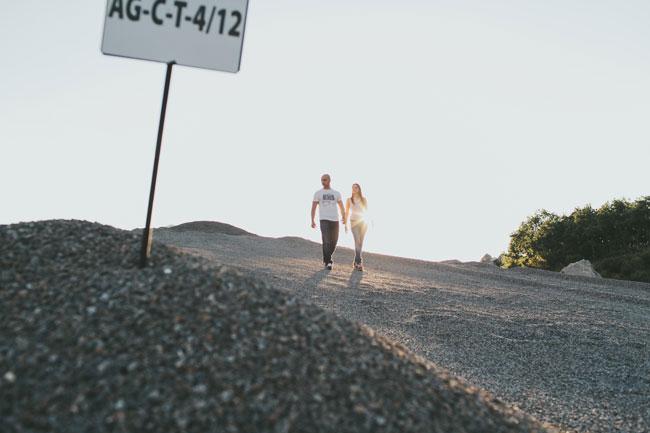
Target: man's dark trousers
[330,232]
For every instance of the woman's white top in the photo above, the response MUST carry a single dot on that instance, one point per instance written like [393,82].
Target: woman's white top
[357,210]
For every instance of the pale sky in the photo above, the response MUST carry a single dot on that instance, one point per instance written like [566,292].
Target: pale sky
[458,117]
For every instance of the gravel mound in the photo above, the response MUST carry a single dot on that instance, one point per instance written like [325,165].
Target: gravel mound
[296,242]
[91,343]
[572,351]
[210,227]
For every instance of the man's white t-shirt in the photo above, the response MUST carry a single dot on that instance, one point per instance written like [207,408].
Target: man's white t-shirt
[328,200]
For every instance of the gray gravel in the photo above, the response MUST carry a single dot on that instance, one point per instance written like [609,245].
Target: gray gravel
[89,343]
[572,351]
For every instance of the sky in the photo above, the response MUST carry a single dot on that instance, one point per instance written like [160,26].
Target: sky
[458,118]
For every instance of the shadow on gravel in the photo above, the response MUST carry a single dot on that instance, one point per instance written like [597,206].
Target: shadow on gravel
[355,280]
[316,278]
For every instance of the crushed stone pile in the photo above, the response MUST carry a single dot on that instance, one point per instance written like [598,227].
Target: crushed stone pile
[583,268]
[210,227]
[91,343]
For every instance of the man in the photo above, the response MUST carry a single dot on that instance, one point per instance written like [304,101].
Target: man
[329,203]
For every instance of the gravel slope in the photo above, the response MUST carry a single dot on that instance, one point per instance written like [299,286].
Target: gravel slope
[571,351]
[89,343]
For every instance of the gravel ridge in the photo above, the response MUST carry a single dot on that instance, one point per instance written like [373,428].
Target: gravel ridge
[90,343]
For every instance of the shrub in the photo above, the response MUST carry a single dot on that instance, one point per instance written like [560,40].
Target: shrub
[635,267]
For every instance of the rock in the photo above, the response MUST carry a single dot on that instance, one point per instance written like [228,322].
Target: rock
[488,259]
[583,268]
[10,377]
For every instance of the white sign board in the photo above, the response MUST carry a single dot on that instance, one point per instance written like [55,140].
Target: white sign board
[201,33]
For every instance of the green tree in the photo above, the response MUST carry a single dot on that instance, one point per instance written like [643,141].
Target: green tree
[615,236]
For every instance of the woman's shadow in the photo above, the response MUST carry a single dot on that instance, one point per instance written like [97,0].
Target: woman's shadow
[355,279]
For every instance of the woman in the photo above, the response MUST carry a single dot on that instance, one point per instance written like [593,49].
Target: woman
[355,210]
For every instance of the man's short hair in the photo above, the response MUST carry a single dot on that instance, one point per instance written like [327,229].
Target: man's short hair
[327,176]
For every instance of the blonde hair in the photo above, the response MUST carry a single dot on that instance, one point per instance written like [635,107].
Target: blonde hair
[363,199]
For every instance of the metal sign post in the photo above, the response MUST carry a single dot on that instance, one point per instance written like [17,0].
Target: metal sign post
[147,236]
[205,34]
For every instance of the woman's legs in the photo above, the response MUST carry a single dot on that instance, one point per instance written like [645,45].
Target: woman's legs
[359,229]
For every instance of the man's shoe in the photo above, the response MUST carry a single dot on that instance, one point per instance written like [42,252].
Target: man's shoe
[328,266]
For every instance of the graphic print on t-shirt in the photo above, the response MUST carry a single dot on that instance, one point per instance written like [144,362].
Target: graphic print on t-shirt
[328,200]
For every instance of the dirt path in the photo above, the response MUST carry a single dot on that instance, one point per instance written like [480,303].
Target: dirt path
[571,351]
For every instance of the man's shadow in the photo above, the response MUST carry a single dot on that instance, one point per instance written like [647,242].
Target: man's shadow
[315,279]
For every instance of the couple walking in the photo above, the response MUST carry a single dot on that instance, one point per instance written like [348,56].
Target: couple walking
[330,203]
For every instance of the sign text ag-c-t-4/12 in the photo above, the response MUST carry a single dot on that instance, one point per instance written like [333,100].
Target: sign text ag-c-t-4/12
[177,13]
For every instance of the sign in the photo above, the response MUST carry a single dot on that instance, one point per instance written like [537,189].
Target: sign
[205,34]
[201,33]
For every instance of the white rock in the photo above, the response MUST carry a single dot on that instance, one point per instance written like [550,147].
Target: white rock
[583,268]
[227,396]
[10,377]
